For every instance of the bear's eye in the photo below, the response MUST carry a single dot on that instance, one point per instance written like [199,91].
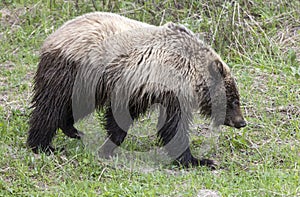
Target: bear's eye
[236,102]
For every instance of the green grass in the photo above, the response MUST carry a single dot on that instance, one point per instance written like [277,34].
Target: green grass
[260,40]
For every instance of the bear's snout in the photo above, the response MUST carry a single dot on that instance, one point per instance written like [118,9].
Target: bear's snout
[239,122]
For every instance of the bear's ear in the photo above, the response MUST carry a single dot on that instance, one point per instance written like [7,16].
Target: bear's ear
[216,68]
[179,28]
[170,25]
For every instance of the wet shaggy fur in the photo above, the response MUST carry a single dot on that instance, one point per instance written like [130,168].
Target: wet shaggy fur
[105,60]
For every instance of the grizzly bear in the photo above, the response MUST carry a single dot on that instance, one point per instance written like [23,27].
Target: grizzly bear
[105,61]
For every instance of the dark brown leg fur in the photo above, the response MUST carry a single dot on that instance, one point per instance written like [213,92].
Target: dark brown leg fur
[173,129]
[67,124]
[51,102]
[174,136]
[41,132]
[116,135]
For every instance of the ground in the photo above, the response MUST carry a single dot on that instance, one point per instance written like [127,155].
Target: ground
[260,41]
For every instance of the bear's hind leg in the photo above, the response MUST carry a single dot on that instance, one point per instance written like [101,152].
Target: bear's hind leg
[41,132]
[37,142]
[67,125]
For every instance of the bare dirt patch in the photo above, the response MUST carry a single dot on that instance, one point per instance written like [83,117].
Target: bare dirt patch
[11,18]
[289,39]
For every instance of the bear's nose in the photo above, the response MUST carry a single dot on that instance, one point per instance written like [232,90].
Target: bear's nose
[240,124]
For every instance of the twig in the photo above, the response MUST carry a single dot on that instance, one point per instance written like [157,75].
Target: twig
[94,5]
[218,23]
[101,174]
[76,5]
[162,17]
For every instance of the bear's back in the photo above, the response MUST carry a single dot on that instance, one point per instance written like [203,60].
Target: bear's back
[75,38]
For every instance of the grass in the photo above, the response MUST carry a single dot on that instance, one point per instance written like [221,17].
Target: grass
[260,40]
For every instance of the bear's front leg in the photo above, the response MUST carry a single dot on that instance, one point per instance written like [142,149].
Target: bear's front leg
[116,135]
[175,138]
[187,160]
[117,125]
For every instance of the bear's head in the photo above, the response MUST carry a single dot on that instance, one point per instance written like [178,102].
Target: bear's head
[222,78]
